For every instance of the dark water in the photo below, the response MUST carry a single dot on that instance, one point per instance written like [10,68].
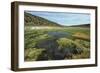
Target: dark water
[52,46]
[59,34]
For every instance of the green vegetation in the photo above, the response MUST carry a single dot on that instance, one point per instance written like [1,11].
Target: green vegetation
[33,53]
[49,44]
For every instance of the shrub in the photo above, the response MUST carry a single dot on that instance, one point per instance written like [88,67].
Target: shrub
[32,54]
[65,43]
[83,42]
[69,47]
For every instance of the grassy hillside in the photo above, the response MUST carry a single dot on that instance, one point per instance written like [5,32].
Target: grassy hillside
[32,20]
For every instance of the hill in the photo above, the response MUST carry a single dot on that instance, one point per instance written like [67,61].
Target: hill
[33,20]
[82,25]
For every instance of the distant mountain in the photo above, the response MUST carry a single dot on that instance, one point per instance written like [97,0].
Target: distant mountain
[82,25]
[33,20]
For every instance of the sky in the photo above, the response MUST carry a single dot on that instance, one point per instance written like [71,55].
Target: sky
[64,18]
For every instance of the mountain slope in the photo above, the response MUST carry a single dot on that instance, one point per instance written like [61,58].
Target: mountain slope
[82,25]
[32,20]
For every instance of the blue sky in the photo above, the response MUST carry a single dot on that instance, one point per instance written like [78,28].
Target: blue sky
[64,18]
